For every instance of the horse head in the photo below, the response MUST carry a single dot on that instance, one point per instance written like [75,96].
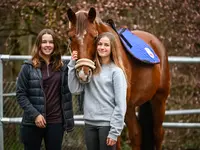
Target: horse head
[82,34]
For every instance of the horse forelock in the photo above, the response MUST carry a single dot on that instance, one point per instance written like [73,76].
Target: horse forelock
[82,20]
[81,23]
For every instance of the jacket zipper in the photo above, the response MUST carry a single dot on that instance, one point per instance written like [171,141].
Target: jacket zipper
[48,70]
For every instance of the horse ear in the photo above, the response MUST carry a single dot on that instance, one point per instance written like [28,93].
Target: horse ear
[71,16]
[92,14]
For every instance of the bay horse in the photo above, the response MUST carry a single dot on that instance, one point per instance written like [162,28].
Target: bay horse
[148,85]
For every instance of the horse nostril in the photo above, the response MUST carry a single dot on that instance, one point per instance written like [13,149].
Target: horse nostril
[77,71]
[90,71]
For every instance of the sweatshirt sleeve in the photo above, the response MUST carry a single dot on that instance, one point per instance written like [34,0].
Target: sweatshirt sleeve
[22,93]
[75,86]
[117,119]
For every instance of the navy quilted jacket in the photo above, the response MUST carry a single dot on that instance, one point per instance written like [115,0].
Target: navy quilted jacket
[31,98]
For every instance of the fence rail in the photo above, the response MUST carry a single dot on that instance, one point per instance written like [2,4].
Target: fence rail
[172,59]
[80,122]
[79,118]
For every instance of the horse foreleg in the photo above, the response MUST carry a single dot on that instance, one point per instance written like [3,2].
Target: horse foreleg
[118,145]
[158,105]
[133,128]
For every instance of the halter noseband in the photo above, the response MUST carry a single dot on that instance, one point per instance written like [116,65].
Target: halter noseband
[85,62]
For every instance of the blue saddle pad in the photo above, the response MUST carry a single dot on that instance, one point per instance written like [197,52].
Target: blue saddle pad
[137,47]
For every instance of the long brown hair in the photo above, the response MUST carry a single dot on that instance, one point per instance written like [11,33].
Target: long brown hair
[55,56]
[115,53]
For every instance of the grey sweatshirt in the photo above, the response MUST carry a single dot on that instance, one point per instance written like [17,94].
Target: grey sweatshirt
[104,98]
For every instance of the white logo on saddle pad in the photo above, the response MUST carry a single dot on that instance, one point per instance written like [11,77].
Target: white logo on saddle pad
[149,52]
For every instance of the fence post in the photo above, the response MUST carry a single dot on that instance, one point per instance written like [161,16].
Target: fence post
[1,106]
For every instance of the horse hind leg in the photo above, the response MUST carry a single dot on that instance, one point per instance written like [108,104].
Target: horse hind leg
[158,107]
[133,128]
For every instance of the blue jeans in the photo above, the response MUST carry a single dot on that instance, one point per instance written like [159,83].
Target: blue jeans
[95,137]
[31,136]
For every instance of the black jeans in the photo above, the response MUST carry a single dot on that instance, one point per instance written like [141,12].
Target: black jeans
[31,137]
[95,137]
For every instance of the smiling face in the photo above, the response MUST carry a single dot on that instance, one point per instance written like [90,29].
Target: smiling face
[104,48]
[47,45]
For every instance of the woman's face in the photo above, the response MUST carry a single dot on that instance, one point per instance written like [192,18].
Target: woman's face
[104,47]
[47,45]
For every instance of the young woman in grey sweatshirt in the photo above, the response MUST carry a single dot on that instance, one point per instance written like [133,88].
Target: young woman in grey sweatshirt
[104,96]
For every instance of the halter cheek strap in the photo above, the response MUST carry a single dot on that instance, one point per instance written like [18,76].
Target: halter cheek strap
[85,62]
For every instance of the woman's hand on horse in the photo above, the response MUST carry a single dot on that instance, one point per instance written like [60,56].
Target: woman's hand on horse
[74,55]
[40,121]
[110,142]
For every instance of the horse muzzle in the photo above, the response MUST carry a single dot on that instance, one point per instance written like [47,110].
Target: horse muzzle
[84,68]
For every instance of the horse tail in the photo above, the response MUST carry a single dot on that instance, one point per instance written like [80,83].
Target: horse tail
[145,116]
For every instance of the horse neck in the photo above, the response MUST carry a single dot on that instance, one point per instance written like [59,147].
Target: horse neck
[102,27]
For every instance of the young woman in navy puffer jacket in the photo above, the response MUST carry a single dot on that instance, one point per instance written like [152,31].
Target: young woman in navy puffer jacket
[42,92]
